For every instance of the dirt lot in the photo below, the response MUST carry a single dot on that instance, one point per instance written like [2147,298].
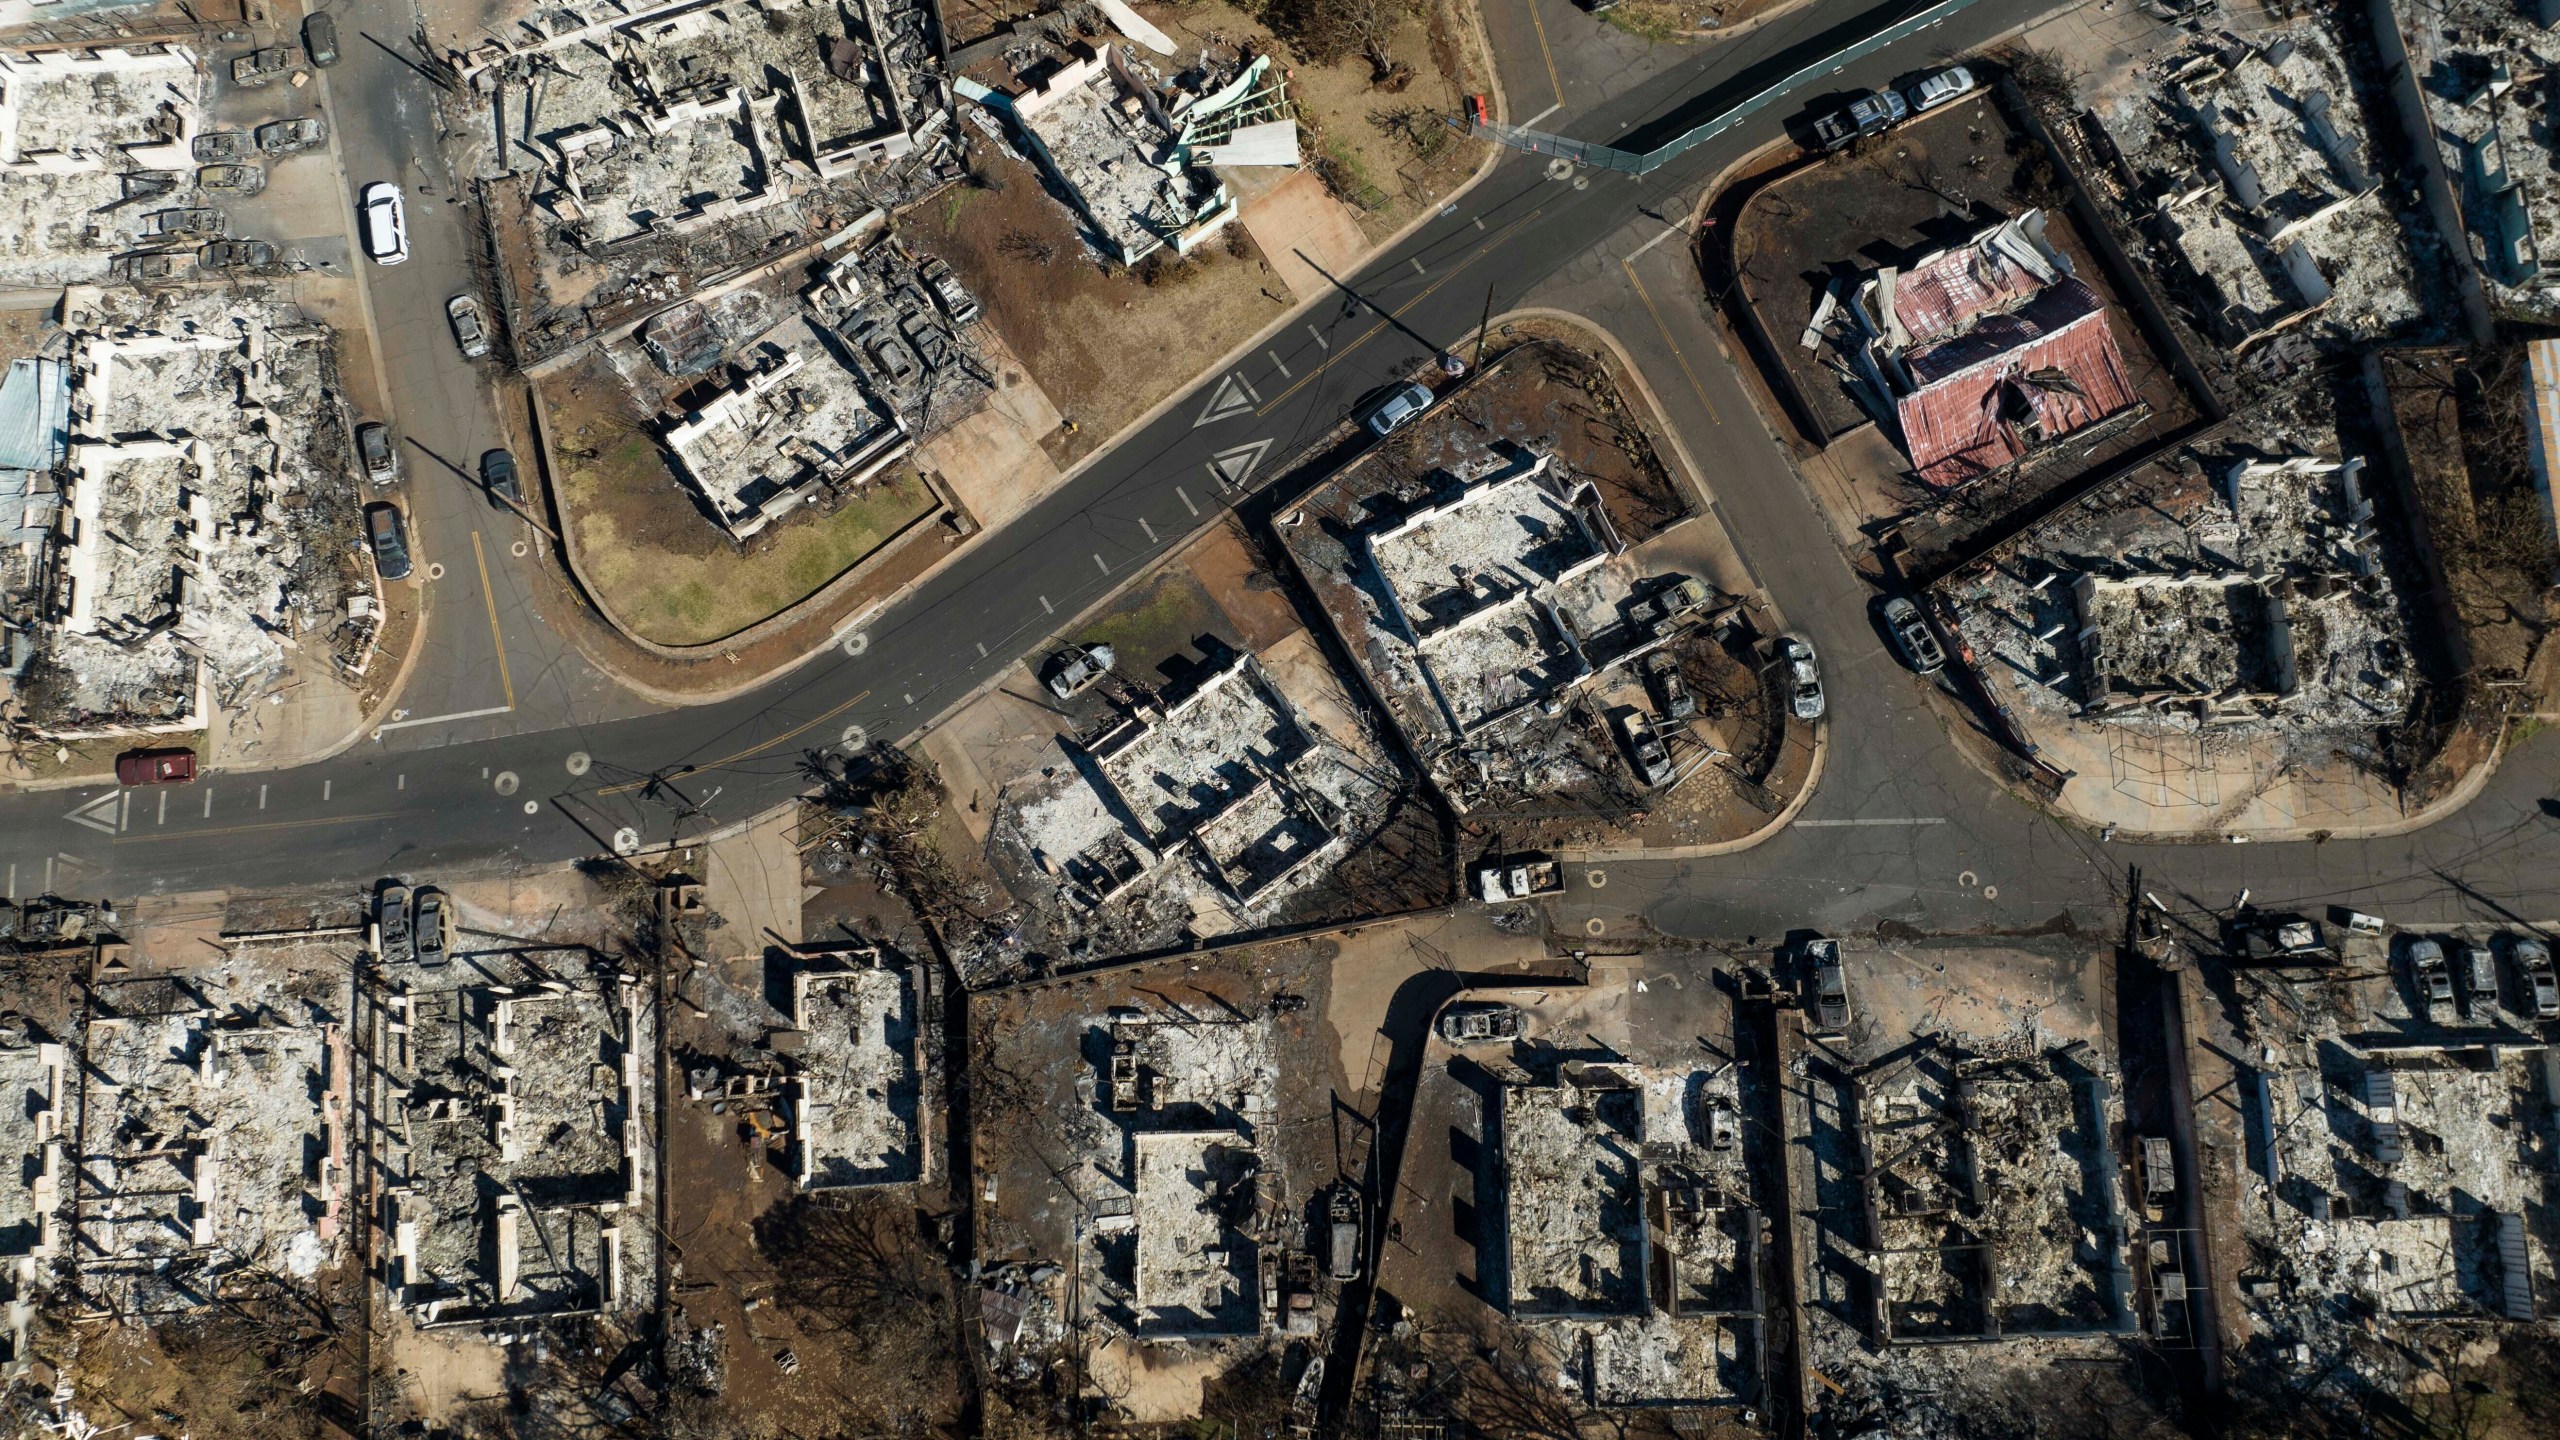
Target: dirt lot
[1678,22]
[662,566]
[1106,343]
[1923,187]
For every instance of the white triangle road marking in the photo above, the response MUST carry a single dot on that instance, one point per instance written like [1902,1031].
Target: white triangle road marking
[98,814]
[1234,466]
[1234,396]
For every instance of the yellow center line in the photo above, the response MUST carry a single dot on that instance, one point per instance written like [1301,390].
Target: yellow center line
[495,638]
[252,829]
[753,750]
[1647,298]
[1552,82]
[1446,276]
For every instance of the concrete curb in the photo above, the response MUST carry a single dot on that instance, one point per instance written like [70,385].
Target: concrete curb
[1778,822]
[716,649]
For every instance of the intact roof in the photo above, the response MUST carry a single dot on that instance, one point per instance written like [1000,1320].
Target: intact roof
[1953,423]
[35,415]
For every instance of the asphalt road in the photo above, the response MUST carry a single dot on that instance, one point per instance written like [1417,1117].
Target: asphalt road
[1902,827]
[488,662]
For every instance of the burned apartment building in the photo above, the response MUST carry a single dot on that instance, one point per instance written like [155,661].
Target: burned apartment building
[1991,1195]
[1134,157]
[2259,172]
[1182,1245]
[804,382]
[2486,72]
[205,521]
[1207,806]
[35,1120]
[660,121]
[96,160]
[854,1089]
[2396,1200]
[2238,591]
[513,1130]
[1479,600]
[1626,1235]
[212,1137]
[1986,353]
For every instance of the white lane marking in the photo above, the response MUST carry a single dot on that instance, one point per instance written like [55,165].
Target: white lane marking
[124,812]
[98,814]
[911,699]
[1656,240]
[1835,824]
[1278,364]
[1098,560]
[1046,608]
[982,649]
[380,730]
[325,787]
[13,882]
[1479,222]
[1185,497]
[1541,115]
[164,809]
[1234,396]
[1150,529]
[1416,262]
[262,797]
[403,778]
[1321,342]
[1235,465]
[208,802]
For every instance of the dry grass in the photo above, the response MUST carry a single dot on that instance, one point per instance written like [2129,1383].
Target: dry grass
[660,565]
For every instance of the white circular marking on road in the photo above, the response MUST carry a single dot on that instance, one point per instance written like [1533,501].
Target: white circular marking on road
[506,782]
[580,762]
[1990,892]
[1581,182]
[626,841]
[531,806]
[1594,926]
[520,549]
[1559,169]
[856,643]
[435,570]
[1965,879]
[854,737]
[1596,879]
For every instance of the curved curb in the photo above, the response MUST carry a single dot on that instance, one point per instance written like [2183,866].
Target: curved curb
[2463,793]
[1777,822]
[616,671]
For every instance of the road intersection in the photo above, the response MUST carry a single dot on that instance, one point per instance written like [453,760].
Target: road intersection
[1903,828]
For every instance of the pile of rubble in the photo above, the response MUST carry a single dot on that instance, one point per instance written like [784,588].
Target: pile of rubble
[2258,167]
[96,158]
[1205,810]
[2486,71]
[2239,592]
[209,520]
[1626,1234]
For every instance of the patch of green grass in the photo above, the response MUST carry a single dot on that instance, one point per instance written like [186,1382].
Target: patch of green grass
[1156,620]
[952,205]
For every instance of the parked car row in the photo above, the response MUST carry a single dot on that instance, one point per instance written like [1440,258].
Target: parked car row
[1875,111]
[411,925]
[2469,976]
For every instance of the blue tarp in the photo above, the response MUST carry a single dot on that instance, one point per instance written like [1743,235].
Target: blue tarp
[35,415]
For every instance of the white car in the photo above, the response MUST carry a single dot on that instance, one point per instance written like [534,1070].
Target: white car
[385,218]
[1953,83]
[1804,678]
[1385,415]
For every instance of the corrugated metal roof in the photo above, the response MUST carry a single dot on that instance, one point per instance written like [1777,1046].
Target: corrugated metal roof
[1949,290]
[35,415]
[1976,397]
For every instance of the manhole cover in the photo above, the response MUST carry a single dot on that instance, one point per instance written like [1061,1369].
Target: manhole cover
[506,782]
[580,762]
[626,841]
[856,643]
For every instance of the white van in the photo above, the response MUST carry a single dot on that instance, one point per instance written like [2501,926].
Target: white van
[386,223]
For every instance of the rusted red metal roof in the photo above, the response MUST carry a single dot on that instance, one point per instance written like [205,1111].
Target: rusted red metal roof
[2012,382]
